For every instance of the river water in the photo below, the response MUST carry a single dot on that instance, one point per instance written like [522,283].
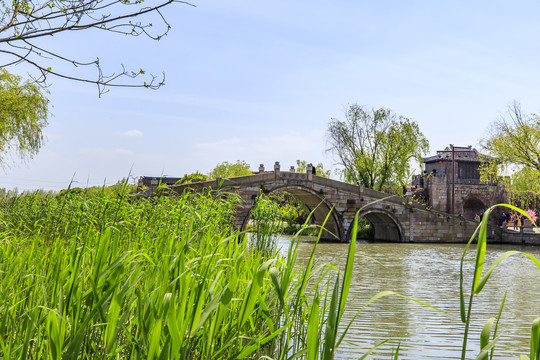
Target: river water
[430,273]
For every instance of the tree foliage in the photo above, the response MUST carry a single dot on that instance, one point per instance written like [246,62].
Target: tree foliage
[375,147]
[515,138]
[301,166]
[491,170]
[191,178]
[24,24]
[526,179]
[228,170]
[121,187]
[514,142]
[23,116]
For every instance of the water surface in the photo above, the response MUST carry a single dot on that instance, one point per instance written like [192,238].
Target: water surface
[430,273]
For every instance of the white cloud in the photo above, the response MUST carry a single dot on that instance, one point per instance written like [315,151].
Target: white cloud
[132,133]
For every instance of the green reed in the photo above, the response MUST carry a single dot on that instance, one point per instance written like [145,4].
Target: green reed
[265,225]
[110,276]
[106,276]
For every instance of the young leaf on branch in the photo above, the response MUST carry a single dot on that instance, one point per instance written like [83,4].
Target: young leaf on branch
[23,24]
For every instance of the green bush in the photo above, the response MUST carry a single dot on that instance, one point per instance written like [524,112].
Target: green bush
[191,178]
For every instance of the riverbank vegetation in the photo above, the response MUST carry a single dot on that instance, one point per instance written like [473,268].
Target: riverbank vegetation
[107,276]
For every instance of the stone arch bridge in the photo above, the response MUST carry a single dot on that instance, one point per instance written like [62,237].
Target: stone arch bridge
[393,218]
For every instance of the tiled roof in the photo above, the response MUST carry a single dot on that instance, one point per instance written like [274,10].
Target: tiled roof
[461,153]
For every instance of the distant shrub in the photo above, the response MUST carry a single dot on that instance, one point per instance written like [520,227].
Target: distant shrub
[190,178]
[71,191]
[228,170]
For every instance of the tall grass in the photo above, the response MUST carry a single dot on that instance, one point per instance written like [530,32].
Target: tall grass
[265,225]
[109,276]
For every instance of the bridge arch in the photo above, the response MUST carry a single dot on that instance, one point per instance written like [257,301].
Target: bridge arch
[473,205]
[319,207]
[386,227]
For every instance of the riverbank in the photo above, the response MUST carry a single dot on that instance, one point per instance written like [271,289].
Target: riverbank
[521,235]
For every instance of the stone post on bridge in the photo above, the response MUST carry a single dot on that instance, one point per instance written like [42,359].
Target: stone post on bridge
[261,168]
[276,170]
[309,171]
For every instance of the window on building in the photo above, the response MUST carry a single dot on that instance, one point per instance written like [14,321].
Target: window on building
[468,171]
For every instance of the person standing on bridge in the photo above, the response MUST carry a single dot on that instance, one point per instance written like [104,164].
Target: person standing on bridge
[313,170]
[504,219]
[515,220]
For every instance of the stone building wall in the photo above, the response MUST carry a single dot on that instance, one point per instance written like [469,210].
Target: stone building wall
[470,199]
[453,175]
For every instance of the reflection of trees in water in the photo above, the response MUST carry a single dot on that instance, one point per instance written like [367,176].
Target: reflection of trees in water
[365,230]
[430,273]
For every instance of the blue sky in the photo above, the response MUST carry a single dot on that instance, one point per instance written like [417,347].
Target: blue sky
[259,81]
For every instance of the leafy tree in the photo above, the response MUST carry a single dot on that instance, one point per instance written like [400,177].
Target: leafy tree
[375,147]
[190,178]
[25,24]
[515,138]
[526,179]
[23,115]
[491,169]
[301,166]
[228,170]
[514,143]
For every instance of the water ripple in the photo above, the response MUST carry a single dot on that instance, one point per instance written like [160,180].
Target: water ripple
[430,273]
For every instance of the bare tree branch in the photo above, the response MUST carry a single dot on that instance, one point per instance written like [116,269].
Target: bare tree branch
[23,22]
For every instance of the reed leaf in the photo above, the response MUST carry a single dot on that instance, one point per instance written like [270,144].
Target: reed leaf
[253,292]
[535,340]
[498,320]
[313,328]
[486,332]
[484,353]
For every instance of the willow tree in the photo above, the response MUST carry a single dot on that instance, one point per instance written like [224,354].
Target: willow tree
[515,138]
[23,116]
[514,141]
[375,147]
